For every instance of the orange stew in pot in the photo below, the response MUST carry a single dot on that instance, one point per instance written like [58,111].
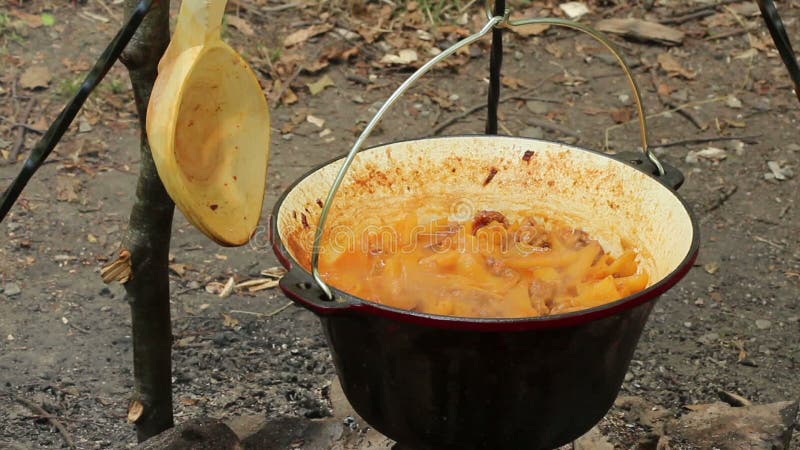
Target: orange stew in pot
[488,266]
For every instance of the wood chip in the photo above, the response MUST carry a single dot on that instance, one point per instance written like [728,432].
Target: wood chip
[642,30]
[227,290]
[135,411]
[406,56]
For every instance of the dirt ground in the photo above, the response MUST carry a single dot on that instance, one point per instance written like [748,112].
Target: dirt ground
[732,325]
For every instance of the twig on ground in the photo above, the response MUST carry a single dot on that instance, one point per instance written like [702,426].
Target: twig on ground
[28,128]
[20,139]
[50,418]
[708,7]
[677,20]
[767,241]
[271,314]
[724,195]
[280,310]
[669,104]
[551,126]
[704,140]
[446,124]
[661,113]
[727,34]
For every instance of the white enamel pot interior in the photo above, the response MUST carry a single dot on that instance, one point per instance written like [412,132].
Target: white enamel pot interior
[460,175]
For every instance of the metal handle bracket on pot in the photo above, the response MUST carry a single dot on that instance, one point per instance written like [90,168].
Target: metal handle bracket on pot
[648,157]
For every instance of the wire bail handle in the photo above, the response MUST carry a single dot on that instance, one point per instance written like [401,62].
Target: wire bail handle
[493,22]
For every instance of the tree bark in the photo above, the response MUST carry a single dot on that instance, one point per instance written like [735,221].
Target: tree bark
[147,239]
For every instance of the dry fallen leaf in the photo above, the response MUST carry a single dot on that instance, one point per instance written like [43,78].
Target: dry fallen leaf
[674,68]
[36,77]
[179,269]
[240,24]
[621,115]
[320,85]
[305,34]
[289,97]
[527,30]
[641,30]
[512,82]
[229,321]
[67,189]
[31,20]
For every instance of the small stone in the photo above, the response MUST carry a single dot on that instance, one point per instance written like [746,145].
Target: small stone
[454,97]
[687,324]
[532,132]
[83,126]
[287,137]
[681,95]
[574,10]
[518,55]
[763,324]
[778,172]
[708,338]
[628,376]
[699,302]
[625,99]
[11,289]
[713,154]
[10,337]
[733,102]
[358,99]
[736,146]
[711,267]
[538,107]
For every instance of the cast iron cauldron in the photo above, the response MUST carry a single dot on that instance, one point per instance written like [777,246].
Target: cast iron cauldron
[456,383]
[437,382]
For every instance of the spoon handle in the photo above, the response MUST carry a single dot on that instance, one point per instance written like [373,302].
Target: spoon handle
[199,23]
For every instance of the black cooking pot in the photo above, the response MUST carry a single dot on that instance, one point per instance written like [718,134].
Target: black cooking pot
[441,382]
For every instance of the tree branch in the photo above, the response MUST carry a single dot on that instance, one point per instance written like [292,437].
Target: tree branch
[147,240]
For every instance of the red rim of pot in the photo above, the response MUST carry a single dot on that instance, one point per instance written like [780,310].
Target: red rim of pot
[299,285]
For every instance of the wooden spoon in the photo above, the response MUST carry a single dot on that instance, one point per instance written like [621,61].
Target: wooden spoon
[208,125]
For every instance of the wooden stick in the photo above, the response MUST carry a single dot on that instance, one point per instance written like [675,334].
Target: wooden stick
[50,418]
[705,140]
[482,105]
[708,7]
[147,238]
[677,20]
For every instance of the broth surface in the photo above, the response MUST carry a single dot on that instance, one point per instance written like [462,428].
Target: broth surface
[487,266]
